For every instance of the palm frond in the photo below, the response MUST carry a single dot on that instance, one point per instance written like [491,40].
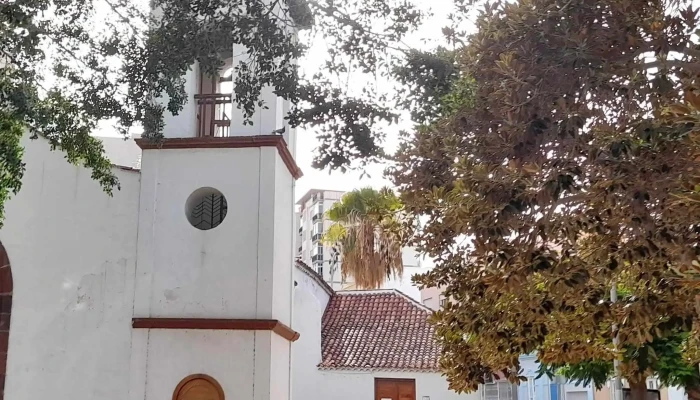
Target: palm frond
[367,231]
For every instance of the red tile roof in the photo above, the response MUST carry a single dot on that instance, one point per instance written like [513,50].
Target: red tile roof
[377,330]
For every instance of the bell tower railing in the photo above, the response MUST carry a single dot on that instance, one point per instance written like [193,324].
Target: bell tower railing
[212,119]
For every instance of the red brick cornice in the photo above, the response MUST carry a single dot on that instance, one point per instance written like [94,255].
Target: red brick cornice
[231,142]
[217,324]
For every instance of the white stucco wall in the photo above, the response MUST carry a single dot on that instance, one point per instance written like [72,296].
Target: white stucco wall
[184,271]
[346,385]
[677,393]
[404,284]
[72,249]
[282,226]
[309,304]
[225,272]
[172,355]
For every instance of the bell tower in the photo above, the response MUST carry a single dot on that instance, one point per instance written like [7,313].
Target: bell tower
[213,300]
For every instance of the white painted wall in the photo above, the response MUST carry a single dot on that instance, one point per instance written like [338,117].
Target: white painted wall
[225,272]
[404,284]
[125,153]
[677,393]
[310,302]
[347,385]
[227,356]
[282,241]
[72,250]
[186,272]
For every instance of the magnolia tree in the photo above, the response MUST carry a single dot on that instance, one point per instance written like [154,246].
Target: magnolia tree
[570,166]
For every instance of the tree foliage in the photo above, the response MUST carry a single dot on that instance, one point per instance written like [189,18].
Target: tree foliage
[367,236]
[12,168]
[66,66]
[663,358]
[572,165]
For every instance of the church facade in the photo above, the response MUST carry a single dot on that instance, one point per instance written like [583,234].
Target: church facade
[178,286]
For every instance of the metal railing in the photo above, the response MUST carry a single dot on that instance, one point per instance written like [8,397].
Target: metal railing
[212,119]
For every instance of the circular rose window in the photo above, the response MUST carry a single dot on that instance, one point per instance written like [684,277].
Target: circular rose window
[206,208]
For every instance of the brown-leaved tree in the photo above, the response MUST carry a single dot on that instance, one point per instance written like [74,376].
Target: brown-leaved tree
[574,166]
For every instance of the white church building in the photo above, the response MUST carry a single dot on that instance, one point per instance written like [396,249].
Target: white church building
[184,285]
[173,288]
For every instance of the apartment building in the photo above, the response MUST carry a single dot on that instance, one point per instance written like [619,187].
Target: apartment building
[312,224]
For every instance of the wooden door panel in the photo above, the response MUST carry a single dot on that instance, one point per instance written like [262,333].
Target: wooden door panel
[407,390]
[394,389]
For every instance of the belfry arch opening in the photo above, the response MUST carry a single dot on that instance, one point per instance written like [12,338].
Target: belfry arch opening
[5,310]
[214,102]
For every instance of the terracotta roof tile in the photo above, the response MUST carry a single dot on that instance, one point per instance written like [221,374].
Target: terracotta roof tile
[377,330]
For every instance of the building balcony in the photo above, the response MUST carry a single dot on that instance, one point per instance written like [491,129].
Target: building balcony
[317,237]
[317,217]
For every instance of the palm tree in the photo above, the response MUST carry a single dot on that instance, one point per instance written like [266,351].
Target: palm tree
[367,235]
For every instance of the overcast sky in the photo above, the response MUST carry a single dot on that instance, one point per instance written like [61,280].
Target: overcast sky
[428,37]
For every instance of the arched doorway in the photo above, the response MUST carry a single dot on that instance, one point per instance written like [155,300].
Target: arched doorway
[5,310]
[198,387]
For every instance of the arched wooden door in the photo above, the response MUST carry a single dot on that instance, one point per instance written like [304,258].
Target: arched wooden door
[5,310]
[198,387]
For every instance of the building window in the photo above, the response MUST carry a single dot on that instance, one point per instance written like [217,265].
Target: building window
[206,208]
[317,254]
[498,390]
[443,300]
[317,209]
[198,386]
[580,395]
[318,228]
